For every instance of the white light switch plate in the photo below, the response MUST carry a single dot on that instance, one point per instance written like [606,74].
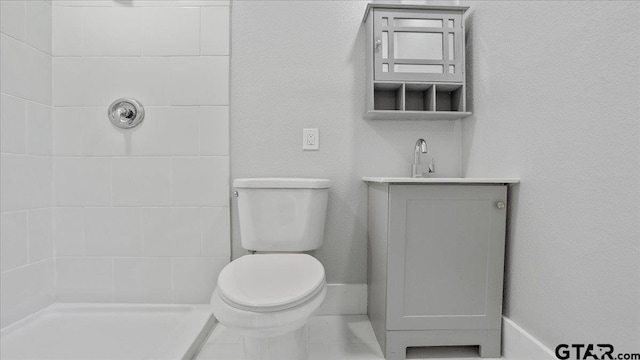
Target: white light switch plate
[310,139]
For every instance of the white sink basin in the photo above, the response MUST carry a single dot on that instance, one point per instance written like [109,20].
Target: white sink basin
[408,180]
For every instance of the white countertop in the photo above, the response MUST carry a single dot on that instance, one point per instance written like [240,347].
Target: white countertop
[435,180]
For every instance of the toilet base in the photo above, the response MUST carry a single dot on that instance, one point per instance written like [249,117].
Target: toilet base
[293,345]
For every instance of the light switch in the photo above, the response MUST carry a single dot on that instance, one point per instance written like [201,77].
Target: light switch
[310,139]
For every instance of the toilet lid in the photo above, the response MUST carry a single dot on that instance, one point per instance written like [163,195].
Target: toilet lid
[270,282]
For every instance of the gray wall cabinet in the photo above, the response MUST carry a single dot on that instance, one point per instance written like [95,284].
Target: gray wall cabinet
[436,258]
[415,62]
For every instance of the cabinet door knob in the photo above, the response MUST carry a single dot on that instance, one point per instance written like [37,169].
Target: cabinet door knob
[500,205]
[378,43]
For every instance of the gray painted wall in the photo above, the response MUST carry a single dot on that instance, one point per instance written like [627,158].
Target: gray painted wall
[299,64]
[555,96]
[556,102]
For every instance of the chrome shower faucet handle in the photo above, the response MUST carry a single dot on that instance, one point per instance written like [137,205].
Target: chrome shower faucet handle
[126,113]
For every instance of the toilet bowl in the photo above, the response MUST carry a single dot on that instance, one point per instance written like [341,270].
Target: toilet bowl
[269,299]
[270,296]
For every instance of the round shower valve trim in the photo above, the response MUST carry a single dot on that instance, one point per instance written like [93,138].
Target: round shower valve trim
[126,113]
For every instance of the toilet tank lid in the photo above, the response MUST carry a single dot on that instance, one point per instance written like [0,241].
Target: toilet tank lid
[282,183]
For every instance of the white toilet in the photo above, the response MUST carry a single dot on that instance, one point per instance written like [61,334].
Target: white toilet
[269,297]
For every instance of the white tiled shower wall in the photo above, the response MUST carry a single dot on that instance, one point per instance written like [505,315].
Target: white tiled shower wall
[26,162]
[140,215]
[94,214]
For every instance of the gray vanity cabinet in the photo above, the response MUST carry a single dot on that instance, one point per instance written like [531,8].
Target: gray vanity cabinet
[436,257]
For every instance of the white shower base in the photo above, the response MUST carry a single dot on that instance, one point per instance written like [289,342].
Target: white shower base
[108,331]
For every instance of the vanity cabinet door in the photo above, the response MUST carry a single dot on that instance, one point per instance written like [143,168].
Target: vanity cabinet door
[411,45]
[445,256]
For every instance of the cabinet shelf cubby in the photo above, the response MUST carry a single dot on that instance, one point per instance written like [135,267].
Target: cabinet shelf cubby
[417,101]
[449,97]
[419,97]
[388,96]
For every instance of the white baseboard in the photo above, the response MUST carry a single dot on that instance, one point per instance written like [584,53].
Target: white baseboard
[345,299]
[517,344]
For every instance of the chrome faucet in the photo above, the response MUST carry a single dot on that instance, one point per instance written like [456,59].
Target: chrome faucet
[418,169]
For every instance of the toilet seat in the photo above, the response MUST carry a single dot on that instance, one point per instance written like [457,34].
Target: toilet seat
[270,282]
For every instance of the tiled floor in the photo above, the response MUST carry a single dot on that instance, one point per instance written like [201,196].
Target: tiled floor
[331,338]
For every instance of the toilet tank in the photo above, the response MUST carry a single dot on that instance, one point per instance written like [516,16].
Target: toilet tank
[282,214]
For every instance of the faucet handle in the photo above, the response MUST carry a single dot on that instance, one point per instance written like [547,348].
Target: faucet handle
[420,170]
[423,170]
